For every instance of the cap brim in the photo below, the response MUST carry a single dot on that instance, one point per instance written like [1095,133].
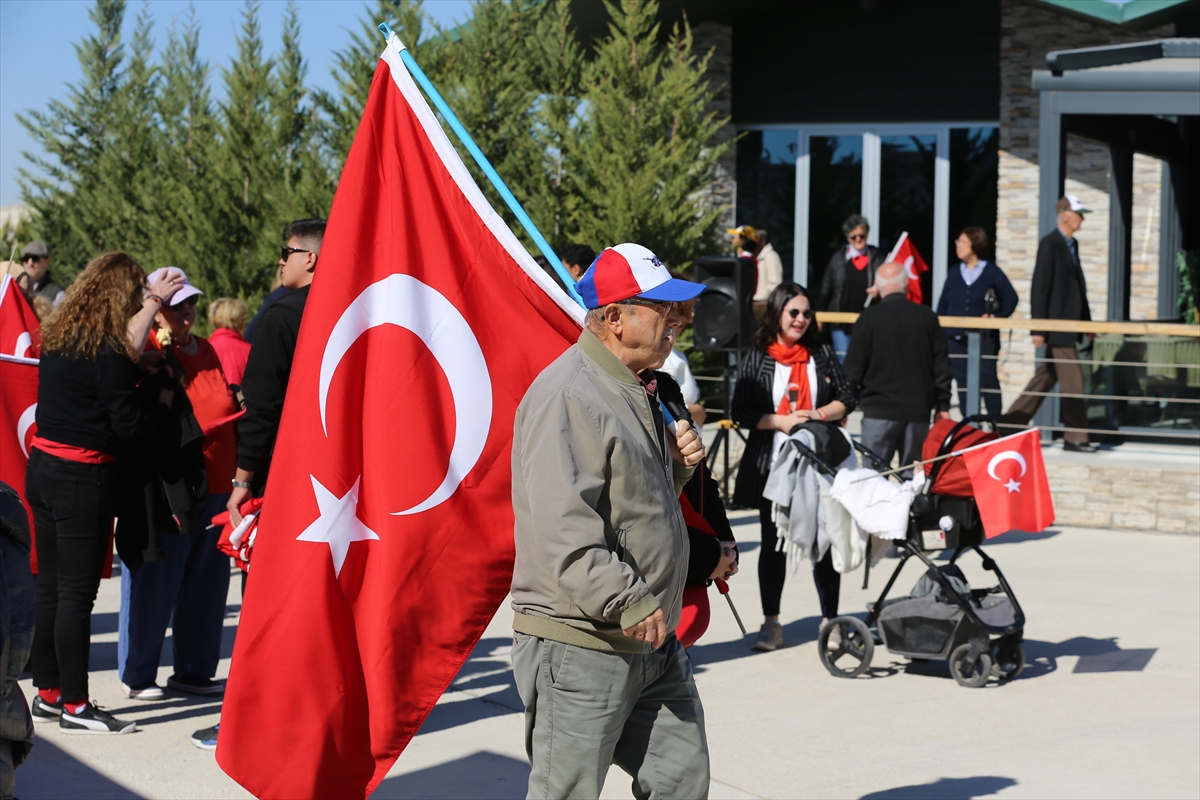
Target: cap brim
[674,290]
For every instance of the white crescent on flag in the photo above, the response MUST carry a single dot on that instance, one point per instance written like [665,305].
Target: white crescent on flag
[1006,456]
[404,301]
[24,423]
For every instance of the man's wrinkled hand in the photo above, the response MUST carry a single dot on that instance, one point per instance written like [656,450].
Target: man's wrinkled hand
[652,629]
[687,448]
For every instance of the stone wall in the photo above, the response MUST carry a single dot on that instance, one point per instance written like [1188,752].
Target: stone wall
[1142,498]
[717,39]
[1147,218]
[1028,30]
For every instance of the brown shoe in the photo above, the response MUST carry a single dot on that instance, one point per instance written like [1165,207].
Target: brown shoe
[770,637]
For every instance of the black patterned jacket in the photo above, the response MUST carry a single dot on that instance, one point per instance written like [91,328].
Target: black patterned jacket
[752,399]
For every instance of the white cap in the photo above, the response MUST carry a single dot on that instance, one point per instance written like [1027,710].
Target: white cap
[183,293]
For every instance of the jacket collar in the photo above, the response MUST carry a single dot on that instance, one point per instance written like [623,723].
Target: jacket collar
[595,350]
[896,295]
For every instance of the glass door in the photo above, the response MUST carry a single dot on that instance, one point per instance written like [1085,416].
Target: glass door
[835,166]
[906,191]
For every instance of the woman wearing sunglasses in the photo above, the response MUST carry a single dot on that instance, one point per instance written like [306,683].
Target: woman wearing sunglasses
[790,377]
[849,281]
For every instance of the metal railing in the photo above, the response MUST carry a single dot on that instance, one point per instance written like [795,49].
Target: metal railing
[1157,336]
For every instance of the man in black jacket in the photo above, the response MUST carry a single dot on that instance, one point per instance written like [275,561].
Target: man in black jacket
[270,364]
[1058,291]
[899,365]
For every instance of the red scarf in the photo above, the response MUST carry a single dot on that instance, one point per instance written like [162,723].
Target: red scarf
[797,356]
[860,262]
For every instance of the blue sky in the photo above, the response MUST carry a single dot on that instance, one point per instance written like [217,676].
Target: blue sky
[38,61]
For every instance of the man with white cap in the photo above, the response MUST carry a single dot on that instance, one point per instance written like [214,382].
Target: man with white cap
[602,549]
[1058,291]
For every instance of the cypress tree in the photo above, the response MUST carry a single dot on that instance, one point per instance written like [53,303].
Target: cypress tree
[183,224]
[67,198]
[643,152]
[245,166]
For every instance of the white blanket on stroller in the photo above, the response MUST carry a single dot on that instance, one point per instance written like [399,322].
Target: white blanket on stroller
[879,506]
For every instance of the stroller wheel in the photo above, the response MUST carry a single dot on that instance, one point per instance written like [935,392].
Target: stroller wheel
[853,653]
[962,671]
[1008,670]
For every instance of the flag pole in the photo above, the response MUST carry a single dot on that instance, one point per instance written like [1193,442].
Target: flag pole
[480,159]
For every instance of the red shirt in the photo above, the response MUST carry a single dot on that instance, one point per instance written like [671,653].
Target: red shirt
[211,400]
[233,351]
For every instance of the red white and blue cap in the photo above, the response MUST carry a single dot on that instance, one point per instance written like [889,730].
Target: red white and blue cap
[630,270]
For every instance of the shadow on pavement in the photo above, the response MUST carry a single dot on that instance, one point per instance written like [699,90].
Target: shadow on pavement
[1095,655]
[51,772]
[946,788]
[795,633]
[484,775]
[482,671]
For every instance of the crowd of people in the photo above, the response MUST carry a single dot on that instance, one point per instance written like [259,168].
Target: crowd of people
[141,419]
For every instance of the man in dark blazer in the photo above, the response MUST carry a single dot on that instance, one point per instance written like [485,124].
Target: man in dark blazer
[1058,291]
[899,366]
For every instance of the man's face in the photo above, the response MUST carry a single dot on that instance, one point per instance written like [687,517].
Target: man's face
[1071,220]
[575,270]
[649,329]
[297,264]
[36,266]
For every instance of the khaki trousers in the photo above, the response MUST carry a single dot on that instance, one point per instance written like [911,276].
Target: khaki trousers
[1070,377]
[587,709]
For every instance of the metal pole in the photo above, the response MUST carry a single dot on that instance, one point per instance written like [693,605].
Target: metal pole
[480,159]
[974,357]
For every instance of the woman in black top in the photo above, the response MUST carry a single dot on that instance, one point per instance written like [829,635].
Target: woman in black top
[789,359]
[849,280]
[88,404]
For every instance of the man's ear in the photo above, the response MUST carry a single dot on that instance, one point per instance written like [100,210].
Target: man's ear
[312,265]
[612,318]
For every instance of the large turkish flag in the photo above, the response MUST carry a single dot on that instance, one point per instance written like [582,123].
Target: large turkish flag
[386,537]
[18,404]
[1009,480]
[18,324]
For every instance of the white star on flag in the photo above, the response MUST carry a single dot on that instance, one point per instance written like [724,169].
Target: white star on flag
[1012,486]
[338,524]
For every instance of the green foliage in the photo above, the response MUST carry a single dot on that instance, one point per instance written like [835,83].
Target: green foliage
[643,151]
[1189,285]
[139,157]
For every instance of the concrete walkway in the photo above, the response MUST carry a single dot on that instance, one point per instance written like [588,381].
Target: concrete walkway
[1109,705]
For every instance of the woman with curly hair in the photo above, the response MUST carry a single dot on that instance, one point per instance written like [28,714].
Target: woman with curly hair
[87,405]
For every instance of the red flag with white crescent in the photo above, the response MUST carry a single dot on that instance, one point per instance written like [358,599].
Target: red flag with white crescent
[18,405]
[914,266]
[1008,478]
[386,537]
[18,324]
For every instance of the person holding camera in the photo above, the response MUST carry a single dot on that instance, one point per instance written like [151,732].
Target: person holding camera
[978,288]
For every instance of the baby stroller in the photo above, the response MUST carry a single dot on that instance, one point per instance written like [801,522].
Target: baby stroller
[978,630]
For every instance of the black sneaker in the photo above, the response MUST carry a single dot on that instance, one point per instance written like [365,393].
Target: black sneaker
[91,719]
[207,738]
[186,683]
[41,711]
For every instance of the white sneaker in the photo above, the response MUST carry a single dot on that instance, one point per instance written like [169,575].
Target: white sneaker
[149,692]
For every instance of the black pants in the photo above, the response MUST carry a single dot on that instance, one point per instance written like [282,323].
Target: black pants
[772,569]
[990,400]
[73,515]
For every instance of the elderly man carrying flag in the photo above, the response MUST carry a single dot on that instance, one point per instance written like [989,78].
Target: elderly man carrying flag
[602,549]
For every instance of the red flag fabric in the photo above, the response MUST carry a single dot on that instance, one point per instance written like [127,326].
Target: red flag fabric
[18,324]
[905,253]
[18,404]
[1010,484]
[386,540]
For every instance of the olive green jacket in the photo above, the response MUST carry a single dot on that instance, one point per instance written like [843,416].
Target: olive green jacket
[600,539]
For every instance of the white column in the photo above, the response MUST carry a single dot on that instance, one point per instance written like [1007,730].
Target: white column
[800,272]
[941,212]
[872,156]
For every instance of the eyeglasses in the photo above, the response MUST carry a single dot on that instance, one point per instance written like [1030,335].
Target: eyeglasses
[663,307]
[854,237]
[190,301]
[808,313]
[286,252]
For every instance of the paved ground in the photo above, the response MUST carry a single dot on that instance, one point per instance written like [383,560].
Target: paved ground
[1109,705]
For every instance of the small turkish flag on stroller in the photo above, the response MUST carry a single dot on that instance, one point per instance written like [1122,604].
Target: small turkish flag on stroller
[387,540]
[905,253]
[18,324]
[1010,485]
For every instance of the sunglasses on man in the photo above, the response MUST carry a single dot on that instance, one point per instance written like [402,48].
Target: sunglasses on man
[286,252]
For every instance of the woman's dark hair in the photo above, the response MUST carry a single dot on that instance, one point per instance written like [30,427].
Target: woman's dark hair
[769,328]
[855,221]
[979,240]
